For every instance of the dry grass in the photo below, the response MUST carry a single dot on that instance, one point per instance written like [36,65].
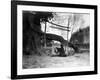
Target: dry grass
[34,61]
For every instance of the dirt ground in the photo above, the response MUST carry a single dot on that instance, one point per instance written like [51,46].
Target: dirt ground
[78,59]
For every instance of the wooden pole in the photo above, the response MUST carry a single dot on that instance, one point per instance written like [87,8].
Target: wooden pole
[67,34]
[45,35]
[68,29]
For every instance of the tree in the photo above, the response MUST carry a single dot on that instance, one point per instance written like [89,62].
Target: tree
[32,30]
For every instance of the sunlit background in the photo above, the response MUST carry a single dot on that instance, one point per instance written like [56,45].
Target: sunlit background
[74,21]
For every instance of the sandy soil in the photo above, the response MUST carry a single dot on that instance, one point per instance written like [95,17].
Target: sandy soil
[80,59]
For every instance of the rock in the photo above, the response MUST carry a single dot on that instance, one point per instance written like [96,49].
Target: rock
[69,51]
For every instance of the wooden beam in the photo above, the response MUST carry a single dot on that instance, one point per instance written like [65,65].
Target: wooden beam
[58,25]
[60,28]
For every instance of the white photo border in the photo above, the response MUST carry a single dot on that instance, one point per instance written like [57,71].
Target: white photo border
[22,8]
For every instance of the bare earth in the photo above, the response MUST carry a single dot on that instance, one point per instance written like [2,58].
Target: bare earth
[80,59]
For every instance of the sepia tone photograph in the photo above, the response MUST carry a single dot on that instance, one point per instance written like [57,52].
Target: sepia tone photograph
[55,39]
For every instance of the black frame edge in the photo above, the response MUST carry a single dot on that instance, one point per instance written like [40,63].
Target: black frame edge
[14,39]
[56,75]
[96,39]
[51,4]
